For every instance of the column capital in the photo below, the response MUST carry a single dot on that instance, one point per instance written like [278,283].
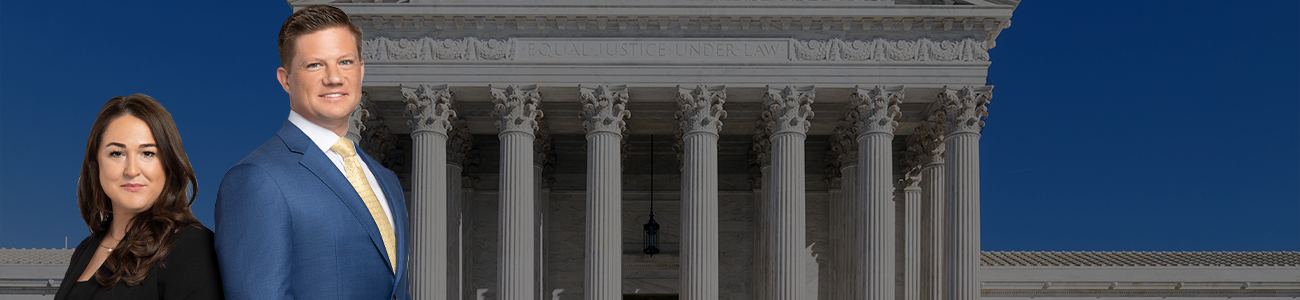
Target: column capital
[428,108]
[844,149]
[700,109]
[789,108]
[360,114]
[543,153]
[910,182]
[759,149]
[877,108]
[516,108]
[604,108]
[927,141]
[844,141]
[459,144]
[966,108]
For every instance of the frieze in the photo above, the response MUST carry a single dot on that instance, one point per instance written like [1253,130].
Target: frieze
[427,48]
[880,49]
[669,50]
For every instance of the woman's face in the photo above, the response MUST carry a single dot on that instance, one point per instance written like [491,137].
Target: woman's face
[130,169]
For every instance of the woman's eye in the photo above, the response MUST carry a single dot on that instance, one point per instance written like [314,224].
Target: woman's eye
[149,154]
[115,154]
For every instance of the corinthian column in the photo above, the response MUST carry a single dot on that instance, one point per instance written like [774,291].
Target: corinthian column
[699,120]
[927,143]
[911,234]
[761,164]
[543,161]
[844,149]
[789,108]
[877,110]
[459,144]
[965,110]
[517,113]
[429,113]
[603,113]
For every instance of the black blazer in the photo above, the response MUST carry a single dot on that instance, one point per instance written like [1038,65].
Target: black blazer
[188,272]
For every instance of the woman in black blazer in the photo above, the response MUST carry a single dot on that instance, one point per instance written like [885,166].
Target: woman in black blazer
[144,243]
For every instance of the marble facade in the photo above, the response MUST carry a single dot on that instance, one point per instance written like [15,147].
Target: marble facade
[803,149]
[747,100]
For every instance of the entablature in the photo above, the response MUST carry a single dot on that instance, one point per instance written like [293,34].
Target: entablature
[808,19]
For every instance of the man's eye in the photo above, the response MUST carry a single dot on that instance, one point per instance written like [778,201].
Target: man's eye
[313,65]
[346,62]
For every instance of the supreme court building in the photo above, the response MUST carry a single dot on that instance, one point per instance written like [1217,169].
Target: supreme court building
[788,150]
[800,149]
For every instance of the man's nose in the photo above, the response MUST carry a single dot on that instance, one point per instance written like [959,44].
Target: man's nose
[333,76]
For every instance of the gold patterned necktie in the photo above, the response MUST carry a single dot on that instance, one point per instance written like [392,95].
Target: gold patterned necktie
[357,176]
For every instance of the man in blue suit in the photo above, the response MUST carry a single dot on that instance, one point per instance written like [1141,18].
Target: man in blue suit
[305,215]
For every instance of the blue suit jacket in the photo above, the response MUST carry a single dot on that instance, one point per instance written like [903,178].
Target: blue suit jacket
[289,225]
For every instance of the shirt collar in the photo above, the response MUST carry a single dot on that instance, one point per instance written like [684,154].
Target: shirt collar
[323,138]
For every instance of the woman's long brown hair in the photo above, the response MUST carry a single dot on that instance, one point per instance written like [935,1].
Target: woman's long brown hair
[151,233]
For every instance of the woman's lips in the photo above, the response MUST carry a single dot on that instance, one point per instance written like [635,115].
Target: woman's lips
[133,187]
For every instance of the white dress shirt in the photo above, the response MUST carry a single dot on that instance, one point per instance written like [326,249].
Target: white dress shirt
[324,139]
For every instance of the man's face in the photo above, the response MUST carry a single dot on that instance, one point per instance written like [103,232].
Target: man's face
[324,78]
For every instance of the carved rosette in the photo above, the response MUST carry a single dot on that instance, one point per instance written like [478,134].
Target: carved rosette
[516,108]
[700,109]
[788,109]
[877,108]
[604,109]
[965,109]
[428,108]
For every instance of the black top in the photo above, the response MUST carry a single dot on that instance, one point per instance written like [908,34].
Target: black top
[189,272]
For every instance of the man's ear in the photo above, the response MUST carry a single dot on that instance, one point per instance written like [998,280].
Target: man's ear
[282,74]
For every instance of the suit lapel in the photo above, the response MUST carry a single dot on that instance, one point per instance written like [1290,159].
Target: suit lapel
[315,161]
[394,195]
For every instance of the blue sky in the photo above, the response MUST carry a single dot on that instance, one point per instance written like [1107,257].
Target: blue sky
[1133,125]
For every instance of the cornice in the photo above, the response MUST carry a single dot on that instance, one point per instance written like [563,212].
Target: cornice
[697,17]
[676,8]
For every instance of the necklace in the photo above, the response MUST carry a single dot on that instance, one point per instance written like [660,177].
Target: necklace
[110,250]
